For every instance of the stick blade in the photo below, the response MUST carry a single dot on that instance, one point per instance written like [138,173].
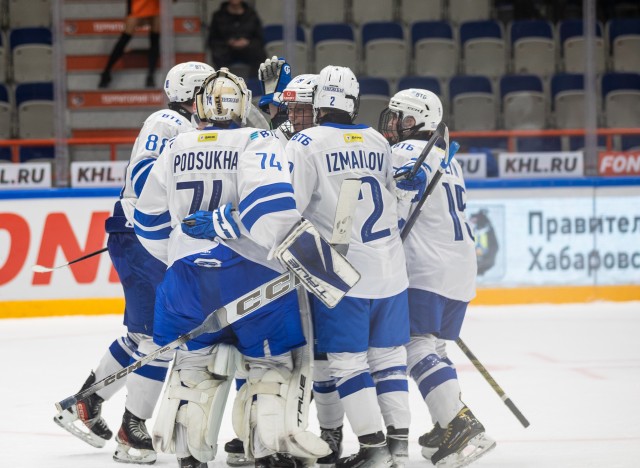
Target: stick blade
[41,269]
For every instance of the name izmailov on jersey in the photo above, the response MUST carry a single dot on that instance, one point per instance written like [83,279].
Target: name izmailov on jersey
[354,159]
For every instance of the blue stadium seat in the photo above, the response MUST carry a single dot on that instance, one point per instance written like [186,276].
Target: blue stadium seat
[523,102]
[473,103]
[420,82]
[567,98]
[3,58]
[274,45]
[435,52]
[483,48]
[31,53]
[374,98]
[34,102]
[533,46]
[384,39]
[334,44]
[624,40]
[535,144]
[621,94]
[572,45]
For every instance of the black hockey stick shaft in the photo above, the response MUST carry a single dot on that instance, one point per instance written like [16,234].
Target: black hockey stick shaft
[497,388]
[38,268]
[215,321]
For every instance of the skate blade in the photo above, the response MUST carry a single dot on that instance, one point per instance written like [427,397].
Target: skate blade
[239,459]
[66,420]
[427,452]
[127,454]
[476,448]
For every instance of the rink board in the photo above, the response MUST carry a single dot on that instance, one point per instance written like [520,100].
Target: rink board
[543,241]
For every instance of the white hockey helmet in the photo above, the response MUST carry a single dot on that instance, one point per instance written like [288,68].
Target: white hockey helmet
[184,79]
[410,111]
[223,97]
[337,88]
[300,89]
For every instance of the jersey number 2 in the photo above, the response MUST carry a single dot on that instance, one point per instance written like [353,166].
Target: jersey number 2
[367,233]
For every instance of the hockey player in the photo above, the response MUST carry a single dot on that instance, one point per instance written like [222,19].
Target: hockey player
[364,335]
[441,263]
[218,255]
[139,274]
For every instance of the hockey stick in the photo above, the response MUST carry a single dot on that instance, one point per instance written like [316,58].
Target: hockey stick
[343,219]
[44,269]
[498,389]
[215,321]
[239,307]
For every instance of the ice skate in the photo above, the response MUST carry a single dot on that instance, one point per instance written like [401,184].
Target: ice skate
[191,462]
[431,441]
[93,430]
[235,454]
[398,443]
[278,460]
[464,442]
[333,437]
[134,441]
[373,453]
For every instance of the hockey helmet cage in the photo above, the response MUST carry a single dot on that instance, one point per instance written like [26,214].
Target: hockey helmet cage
[410,111]
[223,97]
[184,80]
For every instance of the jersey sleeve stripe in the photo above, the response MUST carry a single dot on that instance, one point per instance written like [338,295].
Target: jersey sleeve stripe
[263,192]
[250,217]
[140,165]
[159,234]
[152,221]
[141,179]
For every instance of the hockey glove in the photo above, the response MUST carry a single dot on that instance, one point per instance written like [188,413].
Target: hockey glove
[274,75]
[211,224]
[414,187]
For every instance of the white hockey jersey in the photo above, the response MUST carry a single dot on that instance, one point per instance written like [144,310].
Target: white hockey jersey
[322,158]
[156,131]
[204,169]
[440,248]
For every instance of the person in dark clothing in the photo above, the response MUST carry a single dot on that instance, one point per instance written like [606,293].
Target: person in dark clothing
[235,35]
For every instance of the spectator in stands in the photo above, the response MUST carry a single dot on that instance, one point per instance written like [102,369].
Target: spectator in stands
[235,35]
[140,12]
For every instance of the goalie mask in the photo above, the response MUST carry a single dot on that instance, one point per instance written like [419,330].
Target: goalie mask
[185,79]
[410,111]
[337,89]
[297,101]
[224,97]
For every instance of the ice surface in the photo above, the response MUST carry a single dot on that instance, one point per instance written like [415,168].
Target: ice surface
[573,370]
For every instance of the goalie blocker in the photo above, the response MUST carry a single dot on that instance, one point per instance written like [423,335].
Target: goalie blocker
[321,269]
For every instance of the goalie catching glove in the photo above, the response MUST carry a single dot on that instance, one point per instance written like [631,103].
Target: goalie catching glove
[211,224]
[319,267]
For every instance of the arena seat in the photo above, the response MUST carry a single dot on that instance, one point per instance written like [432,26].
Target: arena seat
[34,102]
[567,97]
[473,103]
[523,102]
[374,97]
[32,54]
[533,47]
[469,10]
[29,13]
[572,44]
[483,48]
[366,11]
[274,45]
[270,11]
[384,39]
[6,114]
[435,52]
[325,11]
[412,11]
[621,94]
[624,40]
[334,44]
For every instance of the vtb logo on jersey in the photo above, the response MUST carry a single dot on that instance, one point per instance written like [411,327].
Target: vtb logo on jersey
[206,137]
[289,95]
[353,138]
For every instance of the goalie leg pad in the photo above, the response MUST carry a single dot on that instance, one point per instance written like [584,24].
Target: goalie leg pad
[195,398]
[319,267]
[269,418]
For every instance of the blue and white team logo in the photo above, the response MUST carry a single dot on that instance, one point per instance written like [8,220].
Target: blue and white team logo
[287,69]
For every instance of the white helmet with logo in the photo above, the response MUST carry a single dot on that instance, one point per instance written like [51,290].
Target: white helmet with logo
[184,79]
[223,97]
[337,88]
[410,111]
[300,89]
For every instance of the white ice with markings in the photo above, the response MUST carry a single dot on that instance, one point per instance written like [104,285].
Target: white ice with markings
[573,370]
